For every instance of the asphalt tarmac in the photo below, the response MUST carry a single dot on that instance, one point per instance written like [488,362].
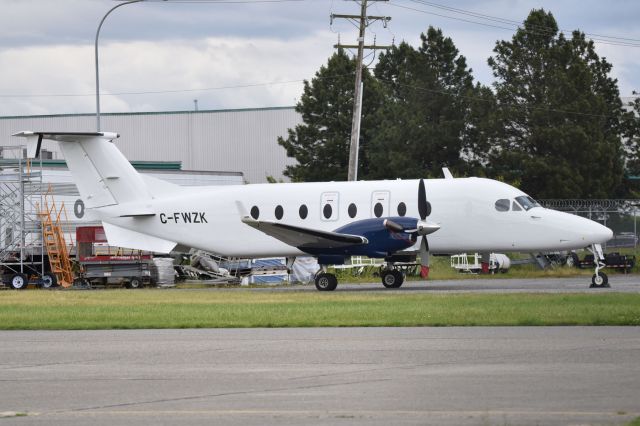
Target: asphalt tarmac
[620,283]
[343,376]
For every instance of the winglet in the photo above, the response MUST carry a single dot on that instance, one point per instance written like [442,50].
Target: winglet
[447,173]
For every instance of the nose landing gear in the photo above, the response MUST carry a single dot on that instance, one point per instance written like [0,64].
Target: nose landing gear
[599,279]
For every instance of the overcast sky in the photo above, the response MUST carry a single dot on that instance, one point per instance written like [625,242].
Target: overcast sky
[186,50]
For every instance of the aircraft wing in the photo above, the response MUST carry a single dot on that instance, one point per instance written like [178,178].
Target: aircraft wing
[304,238]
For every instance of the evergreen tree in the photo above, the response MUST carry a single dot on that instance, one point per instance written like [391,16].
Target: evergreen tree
[321,143]
[432,115]
[632,144]
[559,112]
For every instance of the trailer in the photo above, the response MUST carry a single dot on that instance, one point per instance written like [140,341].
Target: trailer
[612,260]
[34,269]
[103,265]
[472,263]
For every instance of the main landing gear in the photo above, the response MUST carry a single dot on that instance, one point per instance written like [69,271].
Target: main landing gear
[599,279]
[325,281]
[391,277]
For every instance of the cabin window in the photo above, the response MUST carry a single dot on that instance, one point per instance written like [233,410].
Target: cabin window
[502,205]
[352,210]
[380,203]
[329,206]
[303,211]
[279,212]
[516,207]
[255,212]
[378,209]
[402,209]
[327,211]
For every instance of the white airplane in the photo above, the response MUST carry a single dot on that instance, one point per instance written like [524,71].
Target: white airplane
[329,220]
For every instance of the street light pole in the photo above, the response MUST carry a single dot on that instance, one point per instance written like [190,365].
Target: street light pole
[96,55]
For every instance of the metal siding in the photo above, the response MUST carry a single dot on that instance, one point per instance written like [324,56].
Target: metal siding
[235,140]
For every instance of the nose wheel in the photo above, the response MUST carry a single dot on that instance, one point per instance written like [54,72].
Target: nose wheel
[599,279]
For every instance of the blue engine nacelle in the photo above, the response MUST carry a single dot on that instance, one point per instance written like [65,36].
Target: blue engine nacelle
[382,240]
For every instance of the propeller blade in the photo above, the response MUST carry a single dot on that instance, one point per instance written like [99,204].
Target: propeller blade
[424,257]
[423,207]
[392,226]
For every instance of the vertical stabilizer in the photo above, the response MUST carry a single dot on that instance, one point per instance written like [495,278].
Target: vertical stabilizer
[103,175]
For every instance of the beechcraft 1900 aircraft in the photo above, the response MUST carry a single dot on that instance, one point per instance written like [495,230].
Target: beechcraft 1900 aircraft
[330,220]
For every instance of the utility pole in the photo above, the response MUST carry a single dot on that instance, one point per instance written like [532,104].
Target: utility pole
[364,22]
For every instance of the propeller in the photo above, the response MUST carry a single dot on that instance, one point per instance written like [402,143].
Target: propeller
[424,228]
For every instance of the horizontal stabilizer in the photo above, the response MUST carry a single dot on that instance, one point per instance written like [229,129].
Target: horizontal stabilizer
[34,139]
[102,173]
[121,237]
[304,238]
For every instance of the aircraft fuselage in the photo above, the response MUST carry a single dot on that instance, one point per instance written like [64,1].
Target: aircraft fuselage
[474,215]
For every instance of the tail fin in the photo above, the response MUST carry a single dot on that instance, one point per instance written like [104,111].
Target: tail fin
[103,175]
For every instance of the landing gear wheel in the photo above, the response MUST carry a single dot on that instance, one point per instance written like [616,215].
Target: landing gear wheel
[600,280]
[392,279]
[19,281]
[49,281]
[134,282]
[326,282]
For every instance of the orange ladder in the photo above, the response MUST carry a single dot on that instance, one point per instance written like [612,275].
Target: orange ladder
[54,242]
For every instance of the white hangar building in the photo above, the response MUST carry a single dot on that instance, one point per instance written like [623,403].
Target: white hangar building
[221,140]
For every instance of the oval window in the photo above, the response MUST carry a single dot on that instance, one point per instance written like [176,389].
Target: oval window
[353,210]
[279,212]
[377,209]
[503,205]
[402,209]
[255,212]
[327,211]
[303,212]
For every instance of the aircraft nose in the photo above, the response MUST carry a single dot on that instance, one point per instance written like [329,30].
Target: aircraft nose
[602,234]
[594,232]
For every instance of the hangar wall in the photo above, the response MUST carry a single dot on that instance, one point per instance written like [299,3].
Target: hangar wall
[219,140]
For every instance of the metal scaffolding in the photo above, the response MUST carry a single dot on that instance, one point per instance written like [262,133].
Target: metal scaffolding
[21,248]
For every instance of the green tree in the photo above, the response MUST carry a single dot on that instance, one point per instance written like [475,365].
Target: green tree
[321,143]
[560,114]
[632,145]
[432,115]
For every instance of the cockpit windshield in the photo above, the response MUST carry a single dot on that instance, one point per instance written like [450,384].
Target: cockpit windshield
[527,202]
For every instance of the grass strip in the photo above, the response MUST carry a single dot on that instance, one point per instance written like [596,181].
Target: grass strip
[126,309]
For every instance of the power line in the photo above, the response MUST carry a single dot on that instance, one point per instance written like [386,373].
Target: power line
[513,25]
[158,92]
[506,20]
[231,1]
